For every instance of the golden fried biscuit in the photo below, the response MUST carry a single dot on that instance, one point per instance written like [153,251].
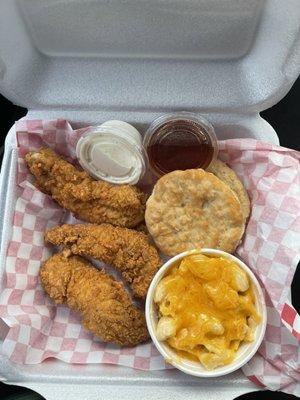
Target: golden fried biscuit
[228,176]
[193,209]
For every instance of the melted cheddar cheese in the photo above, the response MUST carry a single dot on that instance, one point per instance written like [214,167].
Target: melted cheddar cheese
[207,308]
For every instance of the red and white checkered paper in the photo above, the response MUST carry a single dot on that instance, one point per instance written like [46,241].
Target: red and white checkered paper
[39,330]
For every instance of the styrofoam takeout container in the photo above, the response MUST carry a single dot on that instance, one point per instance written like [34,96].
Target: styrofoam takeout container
[92,61]
[246,350]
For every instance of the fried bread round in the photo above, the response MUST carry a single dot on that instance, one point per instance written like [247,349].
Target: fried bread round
[228,176]
[193,209]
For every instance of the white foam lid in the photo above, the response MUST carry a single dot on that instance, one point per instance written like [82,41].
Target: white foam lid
[211,56]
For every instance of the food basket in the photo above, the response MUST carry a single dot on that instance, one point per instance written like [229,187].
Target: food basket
[94,60]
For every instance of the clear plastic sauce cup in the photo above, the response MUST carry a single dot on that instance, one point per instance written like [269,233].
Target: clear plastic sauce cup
[180,141]
[112,152]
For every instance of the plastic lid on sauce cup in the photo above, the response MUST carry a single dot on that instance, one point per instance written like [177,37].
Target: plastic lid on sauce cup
[180,141]
[112,152]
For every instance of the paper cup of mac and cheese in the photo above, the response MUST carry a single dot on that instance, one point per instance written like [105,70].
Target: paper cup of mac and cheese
[206,312]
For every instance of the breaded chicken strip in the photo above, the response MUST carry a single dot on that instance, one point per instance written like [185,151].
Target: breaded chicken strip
[107,310]
[125,249]
[89,200]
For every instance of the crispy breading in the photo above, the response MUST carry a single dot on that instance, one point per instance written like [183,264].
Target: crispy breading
[127,250]
[107,310]
[88,199]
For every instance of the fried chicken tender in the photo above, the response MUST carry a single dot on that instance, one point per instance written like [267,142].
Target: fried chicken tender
[127,250]
[88,199]
[107,310]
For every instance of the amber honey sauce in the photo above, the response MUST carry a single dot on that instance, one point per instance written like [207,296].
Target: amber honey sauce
[179,144]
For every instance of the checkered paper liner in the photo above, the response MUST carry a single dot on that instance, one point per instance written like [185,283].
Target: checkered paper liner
[38,329]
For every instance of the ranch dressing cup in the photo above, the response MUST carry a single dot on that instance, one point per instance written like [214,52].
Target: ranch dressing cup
[112,152]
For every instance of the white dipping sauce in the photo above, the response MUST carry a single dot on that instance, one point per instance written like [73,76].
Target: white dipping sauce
[113,152]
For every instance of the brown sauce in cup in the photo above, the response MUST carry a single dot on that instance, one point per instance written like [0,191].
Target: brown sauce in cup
[179,145]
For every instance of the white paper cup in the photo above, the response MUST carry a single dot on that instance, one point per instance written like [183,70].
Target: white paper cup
[246,350]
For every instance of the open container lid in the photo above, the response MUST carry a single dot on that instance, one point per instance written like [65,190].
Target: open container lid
[220,56]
